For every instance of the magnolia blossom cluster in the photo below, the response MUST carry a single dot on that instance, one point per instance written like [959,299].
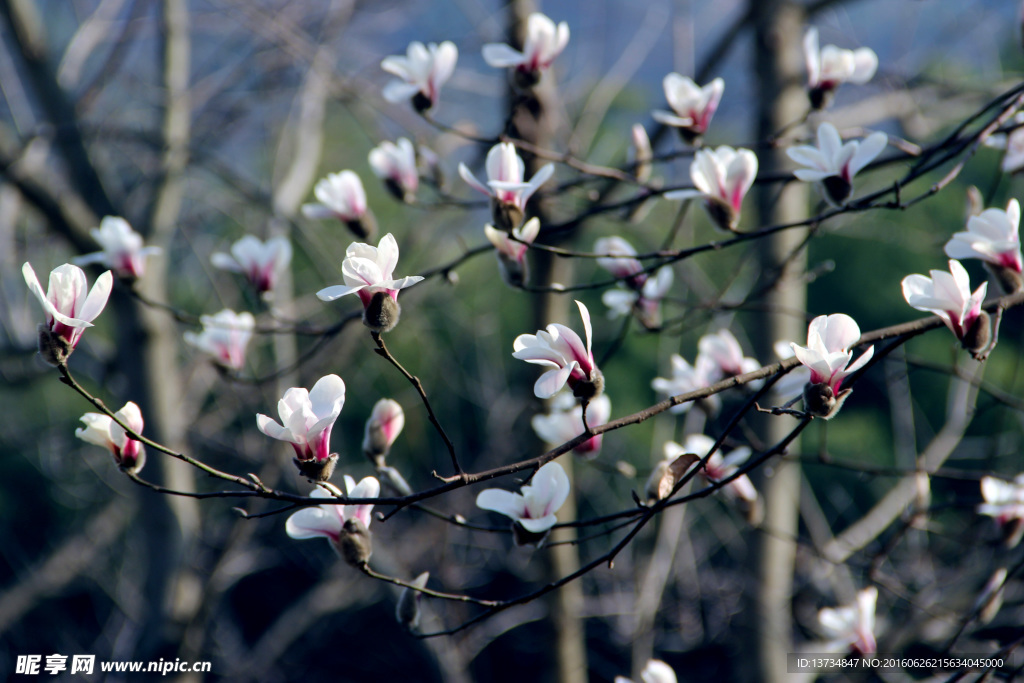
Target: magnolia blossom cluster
[544,42]
[122,249]
[833,164]
[637,292]
[260,262]
[828,355]
[561,349]
[506,184]
[103,430]
[395,164]
[719,355]
[346,527]
[341,196]
[831,66]
[692,105]
[993,237]
[70,308]
[722,177]
[949,296]
[533,509]
[224,337]
[421,73]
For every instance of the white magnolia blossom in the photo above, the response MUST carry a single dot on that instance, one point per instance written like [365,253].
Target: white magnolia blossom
[383,426]
[571,360]
[852,627]
[544,42]
[103,431]
[722,177]
[948,295]
[831,66]
[395,164]
[261,262]
[993,237]
[535,506]
[225,337]
[1004,501]
[69,304]
[506,183]
[565,422]
[833,163]
[422,72]
[122,248]
[655,671]
[718,467]
[340,195]
[621,261]
[646,302]
[327,521]
[827,354]
[307,418]
[692,105]
[686,378]
[725,351]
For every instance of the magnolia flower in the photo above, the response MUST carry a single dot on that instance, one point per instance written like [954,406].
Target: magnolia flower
[686,378]
[828,355]
[512,252]
[1004,501]
[565,422]
[102,430]
[993,237]
[722,177]
[717,468]
[853,626]
[722,348]
[307,418]
[341,196]
[621,262]
[655,671]
[369,273]
[646,303]
[831,66]
[342,525]
[505,184]
[224,336]
[69,309]
[948,295]
[382,428]
[544,42]
[563,350]
[693,106]
[533,509]
[395,164]
[260,262]
[422,71]
[641,154]
[122,247]
[833,163]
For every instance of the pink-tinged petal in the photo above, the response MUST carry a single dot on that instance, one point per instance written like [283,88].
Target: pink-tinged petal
[670,119]
[502,56]
[328,395]
[587,330]
[530,348]
[359,271]
[503,502]
[225,262]
[820,369]
[312,522]
[528,232]
[810,156]
[368,487]
[840,332]
[741,174]
[33,286]
[271,428]
[97,299]
[503,164]
[471,180]
[551,484]
[387,256]
[860,362]
[552,381]
[538,525]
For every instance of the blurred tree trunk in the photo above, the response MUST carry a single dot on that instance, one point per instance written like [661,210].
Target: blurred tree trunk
[778,65]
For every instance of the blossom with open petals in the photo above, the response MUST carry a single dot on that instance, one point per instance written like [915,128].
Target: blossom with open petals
[833,163]
[260,262]
[692,105]
[851,627]
[382,428]
[621,260]
[831,66]
[122,247]
[307,418]
[423,70]
[395,164]
[534,508]
[827,355]
[70,307]
[725,351]
[225,337]
[646,302]
[337,523]
[102,430]
[506,184]
[686,378]
[369,273]
[993,237]
[563,350]
[565,422]
[948,295]
[512,252]
[544,42]
[654,671]
[341,196]
[722,177]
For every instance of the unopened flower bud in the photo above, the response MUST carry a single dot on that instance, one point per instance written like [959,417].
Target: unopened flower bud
[355,544]
[407,612]
[506,215]
[975,202]
[978,335]
[381,314]
[525,538]
[317,470]
[53,349]
[1008,278]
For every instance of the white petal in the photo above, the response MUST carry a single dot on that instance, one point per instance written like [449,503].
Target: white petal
[501,56]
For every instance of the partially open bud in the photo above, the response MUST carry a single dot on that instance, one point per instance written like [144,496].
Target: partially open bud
[588,389]
[978,335]
[381,314]
[382,428]
[1008,278]
[407,612]
[317,470]
[721,213]
[53,349]
[506,215]
[821,401]
[530,539]
[355,543]
[837,189]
